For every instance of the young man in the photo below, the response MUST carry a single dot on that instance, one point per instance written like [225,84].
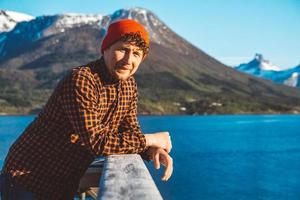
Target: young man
[92,112]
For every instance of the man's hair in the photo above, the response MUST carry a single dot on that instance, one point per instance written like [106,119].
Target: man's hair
[137,40]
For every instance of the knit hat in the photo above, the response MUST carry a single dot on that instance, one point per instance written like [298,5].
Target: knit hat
[117,29]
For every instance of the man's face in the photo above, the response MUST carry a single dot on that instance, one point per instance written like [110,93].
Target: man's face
[122,59]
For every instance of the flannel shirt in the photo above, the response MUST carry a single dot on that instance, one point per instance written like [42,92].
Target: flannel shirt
[89,114]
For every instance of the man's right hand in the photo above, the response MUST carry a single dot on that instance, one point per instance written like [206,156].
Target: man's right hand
[160,140]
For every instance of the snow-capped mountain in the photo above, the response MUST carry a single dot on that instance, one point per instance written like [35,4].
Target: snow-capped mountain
[264,69]
[25,32]
[9,19]
[45,26]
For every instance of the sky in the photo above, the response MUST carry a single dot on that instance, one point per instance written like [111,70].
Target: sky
[232,31]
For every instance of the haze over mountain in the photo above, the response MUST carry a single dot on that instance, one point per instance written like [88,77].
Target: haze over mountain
[176,77]
[263,68]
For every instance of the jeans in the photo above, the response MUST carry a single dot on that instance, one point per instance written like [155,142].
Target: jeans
[10,191]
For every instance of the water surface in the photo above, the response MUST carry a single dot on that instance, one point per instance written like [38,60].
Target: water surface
[216,157]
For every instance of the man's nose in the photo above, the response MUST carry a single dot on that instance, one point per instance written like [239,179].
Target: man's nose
[128,57]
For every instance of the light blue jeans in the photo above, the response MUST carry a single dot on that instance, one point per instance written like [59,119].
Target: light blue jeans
[10,191]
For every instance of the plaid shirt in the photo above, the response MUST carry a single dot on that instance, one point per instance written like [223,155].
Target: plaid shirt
[89,114]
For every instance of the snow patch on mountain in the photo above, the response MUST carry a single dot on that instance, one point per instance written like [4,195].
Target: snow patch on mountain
[9,19]
[293,80]
[70,20]
[265,64]
[18,16]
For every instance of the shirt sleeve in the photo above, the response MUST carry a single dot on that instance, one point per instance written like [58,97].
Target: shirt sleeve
[80,102]
[130,127]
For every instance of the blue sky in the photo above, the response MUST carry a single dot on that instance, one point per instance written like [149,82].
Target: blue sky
[230,30]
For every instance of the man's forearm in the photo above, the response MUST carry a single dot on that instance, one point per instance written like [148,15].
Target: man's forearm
[160,140]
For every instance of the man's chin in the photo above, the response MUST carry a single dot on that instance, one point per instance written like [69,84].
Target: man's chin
[122,77]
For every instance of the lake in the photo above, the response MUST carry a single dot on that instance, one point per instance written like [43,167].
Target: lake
[216,157]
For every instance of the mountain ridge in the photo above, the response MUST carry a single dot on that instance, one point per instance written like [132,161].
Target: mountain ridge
[264,69]
[176,77]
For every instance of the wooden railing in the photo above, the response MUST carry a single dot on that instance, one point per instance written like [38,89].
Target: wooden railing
[124,177]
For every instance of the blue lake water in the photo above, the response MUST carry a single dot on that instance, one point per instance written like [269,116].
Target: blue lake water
[216,157]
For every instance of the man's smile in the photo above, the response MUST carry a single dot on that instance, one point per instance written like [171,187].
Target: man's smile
[124,67]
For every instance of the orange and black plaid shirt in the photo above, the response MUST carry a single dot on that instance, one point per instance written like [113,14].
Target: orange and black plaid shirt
[89,114]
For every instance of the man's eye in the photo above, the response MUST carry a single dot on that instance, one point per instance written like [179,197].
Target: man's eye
[137,54]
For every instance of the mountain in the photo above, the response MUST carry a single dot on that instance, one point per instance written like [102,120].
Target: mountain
[176,77]
[9,19]
[262,68]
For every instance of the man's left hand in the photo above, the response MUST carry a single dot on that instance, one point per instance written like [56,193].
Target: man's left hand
[160,156]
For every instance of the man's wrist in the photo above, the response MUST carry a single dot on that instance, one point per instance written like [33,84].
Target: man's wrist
[148,140]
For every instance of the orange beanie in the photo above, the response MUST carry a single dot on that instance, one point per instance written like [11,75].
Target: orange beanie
[117,29]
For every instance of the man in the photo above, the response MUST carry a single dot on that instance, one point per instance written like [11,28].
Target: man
[92,112]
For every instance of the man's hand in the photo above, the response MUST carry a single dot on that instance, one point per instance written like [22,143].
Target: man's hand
[160,156]
[159,140]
